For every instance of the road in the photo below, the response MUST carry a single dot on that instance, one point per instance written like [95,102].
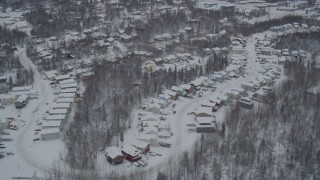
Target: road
[45,90]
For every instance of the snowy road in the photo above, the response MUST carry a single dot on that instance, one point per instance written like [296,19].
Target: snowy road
[24,139]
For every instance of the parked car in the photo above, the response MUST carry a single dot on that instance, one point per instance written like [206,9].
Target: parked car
[2,147]
[13,127]
[37,129]
[36,139]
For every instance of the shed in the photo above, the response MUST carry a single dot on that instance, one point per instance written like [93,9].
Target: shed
[50,134]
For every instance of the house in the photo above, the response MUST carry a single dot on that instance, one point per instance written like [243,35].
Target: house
[150,130]
[69,90]
[22,89]
[164,97]
[144,147]
[114,155]
[206,103]
[149,138]
[238,50]
[187,88]
[69,85]
[224,98]
[61,78]
[61,106]
[248,86]
[55,117]
[233,94]
[67,95]
[65,100]
[7,98]
[203,112]
[130,153]
[266,51]
[68,81]
[22,101]
[155,108]
[164,134]
[178,90]
[204,120]
[245,102]
[58,112]
[51,124]
[50,134]
[205,128]
[261,95]
[173,95]
[51,75]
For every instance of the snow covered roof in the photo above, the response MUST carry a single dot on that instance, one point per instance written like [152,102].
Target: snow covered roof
[50,131]
[204,120]
[61,105]
[113,152]
[64,100]
[58,111]
[67,81]
[22,88]
[164,96]
[148,137]
[69,90]
[69,85]
[139,144]
[67,95]
[51,123]
[206,110]
[62,77]
[55,117]
[128,149]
